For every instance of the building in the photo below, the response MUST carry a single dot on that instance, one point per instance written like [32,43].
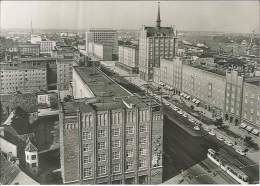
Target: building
[29,50]
[155,43]
[35,39]
[169,73]
[233,97]
[67,57]
[128,57]
[108,135]
[46,47]
[31,157]
[208,87]
[101,51]
[106,37]
[22,77]
[251,103]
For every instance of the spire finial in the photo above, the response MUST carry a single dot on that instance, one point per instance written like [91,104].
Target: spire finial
[158,21]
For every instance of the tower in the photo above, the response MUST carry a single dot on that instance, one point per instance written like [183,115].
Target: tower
[31,157]
[158,21]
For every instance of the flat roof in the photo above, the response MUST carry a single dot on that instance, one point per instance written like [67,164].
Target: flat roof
[100,84]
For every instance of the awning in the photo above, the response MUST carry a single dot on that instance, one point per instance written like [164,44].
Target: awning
[255,131]
[249,128]
[243,125]
[197,102]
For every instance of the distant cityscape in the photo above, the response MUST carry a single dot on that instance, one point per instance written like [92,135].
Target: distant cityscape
[150,106]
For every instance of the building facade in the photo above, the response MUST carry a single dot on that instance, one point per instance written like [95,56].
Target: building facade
[205,86]
[46,47]
[21,77]
[128,58]
[101,51]
[155,43]
[233,97]
[112,138]
[169,73]
[29,50]
[106,37]
[251,103]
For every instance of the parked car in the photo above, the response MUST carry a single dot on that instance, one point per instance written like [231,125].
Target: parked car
[220,138]
[239,151]
[212,133]
[196,128]
[180,112]
[229,143]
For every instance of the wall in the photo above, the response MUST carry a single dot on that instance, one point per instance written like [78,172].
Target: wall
[7,147]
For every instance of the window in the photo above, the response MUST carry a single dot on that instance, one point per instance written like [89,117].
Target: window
[142,128]
[115,155]
[101,145]
[87,159]
[101,170]
[87,172]
[34,164]
[142,152]
[33,157]
[101,157]
[101,133]
[129,141]
[115,132]
[142,163]
[116,168]
[116,144]
[86,135]
[129,130]
[86,147]
[129,165]
[129,153]
[143,140]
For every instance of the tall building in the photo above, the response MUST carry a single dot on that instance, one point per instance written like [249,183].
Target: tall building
[106,37]
[155,43]
[108,135]
[22,77]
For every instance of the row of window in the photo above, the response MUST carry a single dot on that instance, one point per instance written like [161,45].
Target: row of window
[87,135]
[102,170]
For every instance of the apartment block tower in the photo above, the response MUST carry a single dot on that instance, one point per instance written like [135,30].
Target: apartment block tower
[155,43]
[106,37]
[108,135]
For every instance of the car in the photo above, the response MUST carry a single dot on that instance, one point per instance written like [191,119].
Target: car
[212,133]
[184,114]
[239,151]
[220,138]
[229,143]
[191,120]
[180,112]
[167,104]
[175,108]
[196,128]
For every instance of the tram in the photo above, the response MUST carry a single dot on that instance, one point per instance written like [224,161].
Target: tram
[231,170]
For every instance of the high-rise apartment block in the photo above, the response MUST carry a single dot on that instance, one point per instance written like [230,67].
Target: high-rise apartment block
[155,43]
[107,37]
[108,135]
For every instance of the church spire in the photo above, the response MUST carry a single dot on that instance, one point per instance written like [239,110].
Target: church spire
[158,21]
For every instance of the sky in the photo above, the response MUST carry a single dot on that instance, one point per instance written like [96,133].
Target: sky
[227,16]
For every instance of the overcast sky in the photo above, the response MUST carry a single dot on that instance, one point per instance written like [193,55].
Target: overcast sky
[228,16]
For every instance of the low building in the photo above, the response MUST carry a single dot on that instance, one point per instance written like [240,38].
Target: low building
[22,77]
[251,103]
[46,47]
[29,50]
[108,135]
[128,58]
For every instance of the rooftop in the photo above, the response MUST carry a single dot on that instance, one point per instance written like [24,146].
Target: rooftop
[155,31]
[21,66]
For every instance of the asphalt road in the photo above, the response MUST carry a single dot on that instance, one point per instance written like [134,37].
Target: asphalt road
[183,150]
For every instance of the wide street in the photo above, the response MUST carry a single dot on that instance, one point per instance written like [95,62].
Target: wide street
[183,150]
